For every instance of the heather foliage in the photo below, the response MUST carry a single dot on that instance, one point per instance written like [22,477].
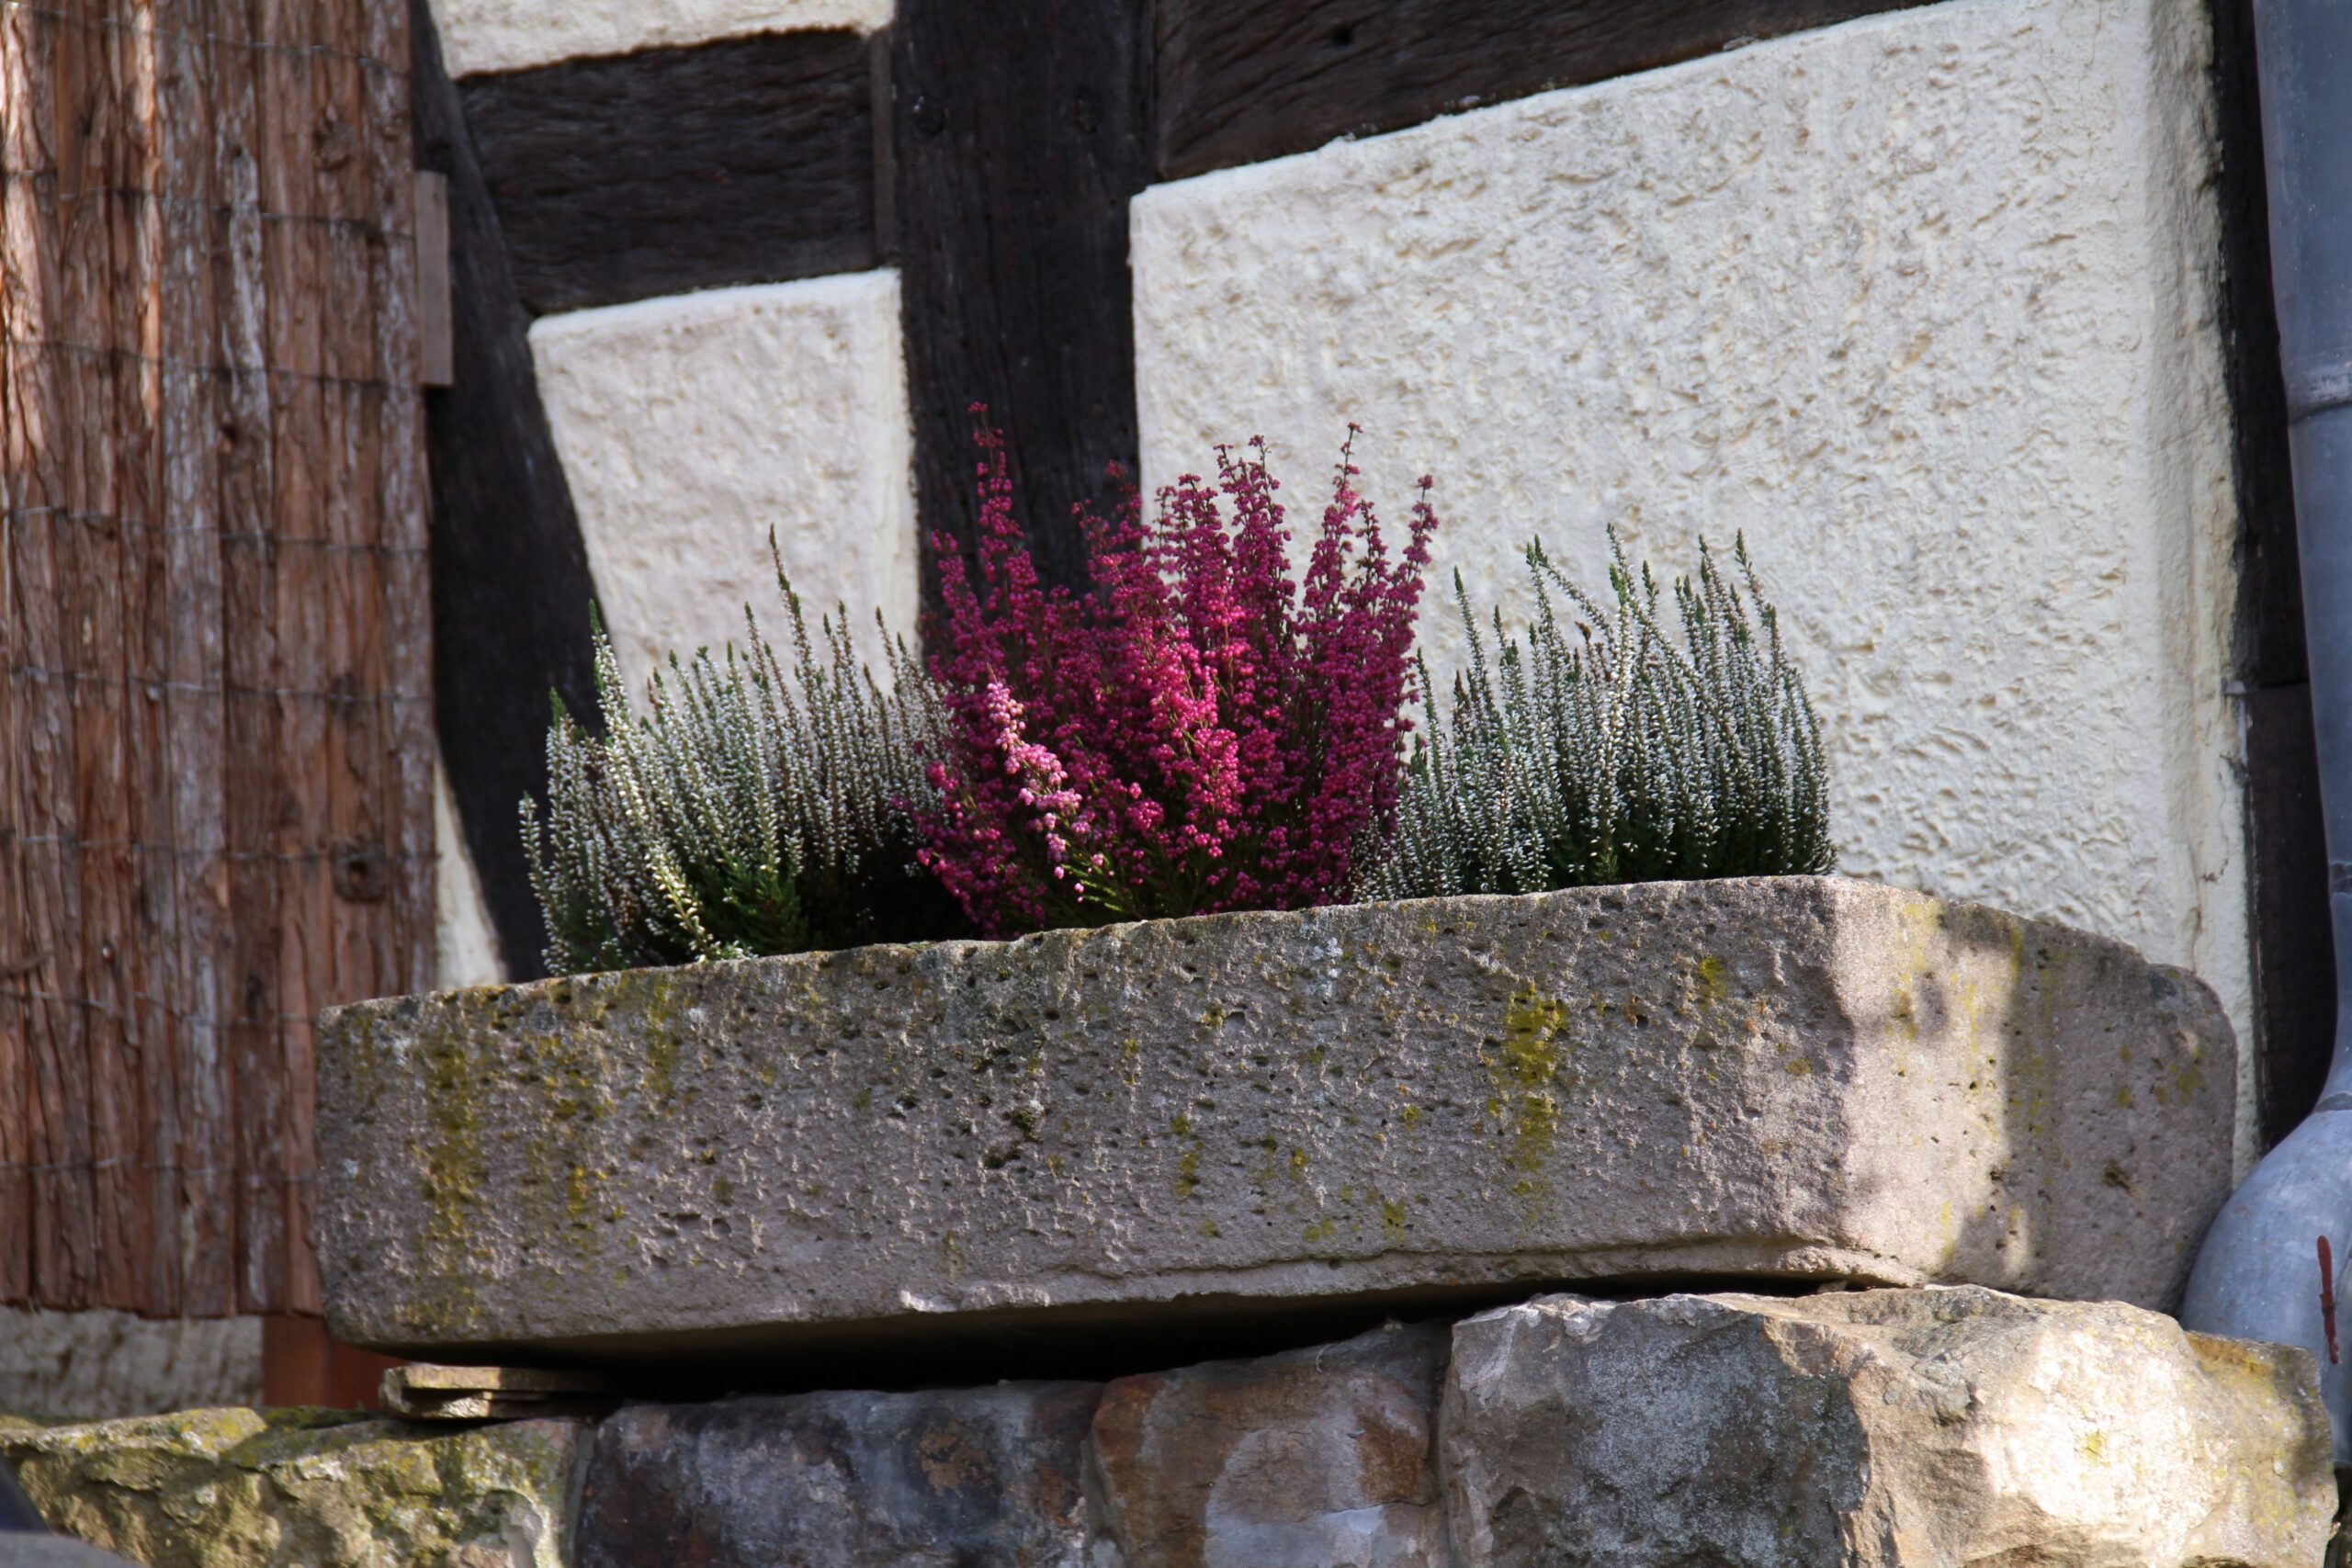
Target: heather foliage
[1198,732]
[749,809]
[1619,754]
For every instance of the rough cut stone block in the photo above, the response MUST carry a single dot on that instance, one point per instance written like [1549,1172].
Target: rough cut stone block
[843,1481]
[305,1489]
[1800,1079]
[1879,1427]
[1324,1458]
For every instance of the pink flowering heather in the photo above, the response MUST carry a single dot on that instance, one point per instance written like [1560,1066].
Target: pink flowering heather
[1195,733]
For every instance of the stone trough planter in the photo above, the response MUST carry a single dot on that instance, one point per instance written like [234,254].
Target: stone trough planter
[1384,1105]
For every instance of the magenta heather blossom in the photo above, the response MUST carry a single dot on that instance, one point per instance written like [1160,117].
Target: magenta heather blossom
[1196,733]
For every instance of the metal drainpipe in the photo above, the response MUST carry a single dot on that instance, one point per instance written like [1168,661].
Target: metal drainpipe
[2259,1275]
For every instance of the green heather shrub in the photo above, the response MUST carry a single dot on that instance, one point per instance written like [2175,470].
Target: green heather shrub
[749,809]
[1613,752]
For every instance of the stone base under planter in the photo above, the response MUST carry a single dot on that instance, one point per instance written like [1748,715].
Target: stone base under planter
[1867,1428]
[1395,1105]
[304,1489]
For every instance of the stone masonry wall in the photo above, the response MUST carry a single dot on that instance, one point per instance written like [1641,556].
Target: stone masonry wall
[1862,1428]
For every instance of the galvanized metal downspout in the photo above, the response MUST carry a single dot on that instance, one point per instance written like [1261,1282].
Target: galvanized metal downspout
[2260,1274]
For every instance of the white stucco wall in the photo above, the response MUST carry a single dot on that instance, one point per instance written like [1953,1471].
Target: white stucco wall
[1924,303]
[507,35]
[465,946]
[689,426]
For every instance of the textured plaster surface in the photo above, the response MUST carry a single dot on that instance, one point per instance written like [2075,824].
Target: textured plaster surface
[1925,304]
[465,945]
[1792,1079]
[1878,1428]
[509,35]
[692,425]
[100,1365]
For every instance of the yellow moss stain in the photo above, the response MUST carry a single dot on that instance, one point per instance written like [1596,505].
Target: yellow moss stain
[1918,919]
[454,1172]
[1392,1218]
[649,1000]
[2188,1079]
[1188,1173]
[1534,1027]
[1905,1015]
[1263,1174]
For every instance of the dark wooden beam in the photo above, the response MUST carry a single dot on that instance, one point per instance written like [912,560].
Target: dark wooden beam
[746,160]
[1241,81]
[1018,133]
[2294,960]
[512,595]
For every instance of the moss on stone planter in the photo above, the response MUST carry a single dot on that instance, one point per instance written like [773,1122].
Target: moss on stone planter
[1793,1078]
[305,1489]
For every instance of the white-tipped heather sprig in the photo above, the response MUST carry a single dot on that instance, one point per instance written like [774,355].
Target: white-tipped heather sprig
[749,807]
[1623,753]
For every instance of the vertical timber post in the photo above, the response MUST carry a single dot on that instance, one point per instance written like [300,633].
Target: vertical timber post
[1017,134]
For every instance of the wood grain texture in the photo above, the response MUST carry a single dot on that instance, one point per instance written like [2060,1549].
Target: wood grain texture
[511,594]
[745,160]
[1017,137]
[65,85]
[1240,80]
[206,371]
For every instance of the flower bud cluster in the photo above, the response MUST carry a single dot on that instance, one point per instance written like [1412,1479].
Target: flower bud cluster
[1198,731]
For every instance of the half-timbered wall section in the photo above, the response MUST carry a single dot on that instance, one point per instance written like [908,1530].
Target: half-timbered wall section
[216,735]
[1959,310]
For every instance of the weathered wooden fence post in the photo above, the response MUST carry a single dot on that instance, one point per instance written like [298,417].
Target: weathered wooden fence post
[216,738]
